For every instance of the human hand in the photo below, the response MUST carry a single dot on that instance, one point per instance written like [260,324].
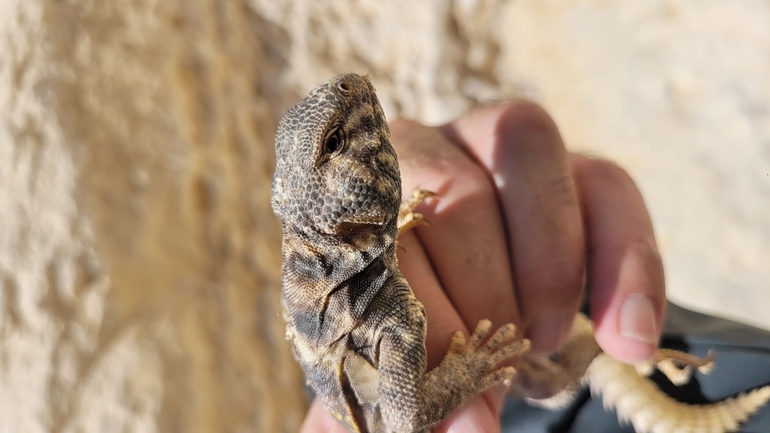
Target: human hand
[508,241]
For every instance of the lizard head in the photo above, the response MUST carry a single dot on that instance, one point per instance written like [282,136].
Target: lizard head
[336,169]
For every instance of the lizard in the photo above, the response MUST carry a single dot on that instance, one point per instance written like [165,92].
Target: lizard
[357,329]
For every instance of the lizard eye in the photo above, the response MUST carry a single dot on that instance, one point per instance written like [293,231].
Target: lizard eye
[332,143]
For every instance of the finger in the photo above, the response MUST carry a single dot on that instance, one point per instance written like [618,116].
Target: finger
[319,420]
[520,147]
[480,414]
[466,238]
[443,320]
[627,283]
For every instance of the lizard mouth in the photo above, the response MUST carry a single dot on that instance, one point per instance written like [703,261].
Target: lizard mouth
[360,224]
[347,227]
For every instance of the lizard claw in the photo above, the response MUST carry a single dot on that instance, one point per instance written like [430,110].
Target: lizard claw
[407,218]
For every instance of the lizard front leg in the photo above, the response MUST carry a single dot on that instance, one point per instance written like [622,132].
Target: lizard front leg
[412,401]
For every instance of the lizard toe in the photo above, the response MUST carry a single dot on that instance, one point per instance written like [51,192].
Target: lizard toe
[457,346]
[481,331]
[502,335]
[508,351]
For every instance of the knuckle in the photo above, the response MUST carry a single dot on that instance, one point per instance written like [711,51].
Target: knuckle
[429,161]
[474,176]
[604,171]
[647,252]
[465,185]
[404,131]
[525,118]
[559,280]
[562,189]
[528,113]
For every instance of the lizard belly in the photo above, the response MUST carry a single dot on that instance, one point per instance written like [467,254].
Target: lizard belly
[345,381]
[363,377]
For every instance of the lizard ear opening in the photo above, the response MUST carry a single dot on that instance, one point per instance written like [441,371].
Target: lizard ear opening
[343,86]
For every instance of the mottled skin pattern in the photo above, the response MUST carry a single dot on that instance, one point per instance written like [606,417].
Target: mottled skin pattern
[359,332]
[354,323]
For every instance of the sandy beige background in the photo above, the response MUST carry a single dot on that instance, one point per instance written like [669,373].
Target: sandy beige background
[139,265]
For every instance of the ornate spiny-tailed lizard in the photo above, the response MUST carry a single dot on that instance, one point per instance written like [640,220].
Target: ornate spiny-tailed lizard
[358,331]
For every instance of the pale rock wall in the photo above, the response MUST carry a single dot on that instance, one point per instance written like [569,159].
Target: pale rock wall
[139,258]
[678,93]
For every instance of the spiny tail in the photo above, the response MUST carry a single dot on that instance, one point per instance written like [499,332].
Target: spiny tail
[639,401]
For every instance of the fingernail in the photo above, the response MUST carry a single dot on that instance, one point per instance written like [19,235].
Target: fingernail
[469,421]
[637,319]
[547,330]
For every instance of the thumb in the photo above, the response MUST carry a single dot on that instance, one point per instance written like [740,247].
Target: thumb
[479,415]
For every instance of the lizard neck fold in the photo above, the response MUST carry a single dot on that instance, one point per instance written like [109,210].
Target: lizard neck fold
[333,280]
[316,263]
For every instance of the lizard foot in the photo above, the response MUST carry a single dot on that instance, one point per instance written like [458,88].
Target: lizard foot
[407,218]
[677,366]
[469,367]
[473,358]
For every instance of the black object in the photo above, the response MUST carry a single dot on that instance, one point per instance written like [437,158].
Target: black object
[741,363]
